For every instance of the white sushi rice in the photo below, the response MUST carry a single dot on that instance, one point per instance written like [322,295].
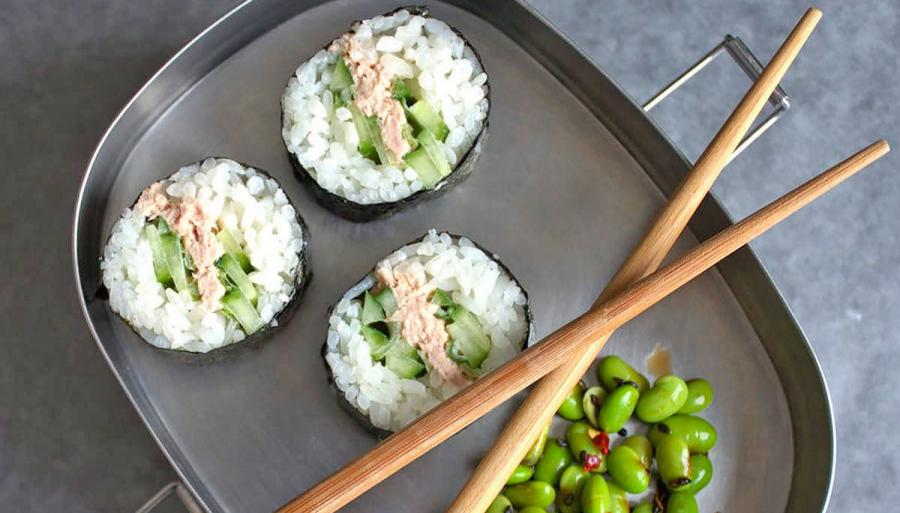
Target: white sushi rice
[248,203]
[324,139]
[475,281]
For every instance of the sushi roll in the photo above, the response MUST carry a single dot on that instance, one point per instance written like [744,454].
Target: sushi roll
[428,320]
[206,257]
[387,115]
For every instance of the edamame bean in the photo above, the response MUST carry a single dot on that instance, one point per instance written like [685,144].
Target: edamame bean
[627,471]
[700,396]
[644,507]
[591,402]
[555,459]
[532,509]
[537,449]
[521,474]
[699,434]
[613,371]
[680,502]
[587,445]
[617,408]
[595,495]
[673,460]
[500,505]
[701,474]
[641,445]
[573,479]
[618,501]
[664,399]
[532,493]
[571,407]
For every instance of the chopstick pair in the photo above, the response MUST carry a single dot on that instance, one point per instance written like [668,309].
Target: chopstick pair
[577,337]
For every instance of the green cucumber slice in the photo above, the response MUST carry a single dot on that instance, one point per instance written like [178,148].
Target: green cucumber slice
[240,308]
[229,265]
[386,299]
[421,163]
[402,366]
[379,343]
[341,78]
[233,247]
[441,298]
[160,266]
[372,311]
[171,247]
[426,118]
[366,147]
[468,337]
[377,142]
[435,152]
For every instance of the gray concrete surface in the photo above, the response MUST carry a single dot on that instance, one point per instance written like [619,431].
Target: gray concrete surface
[70,441]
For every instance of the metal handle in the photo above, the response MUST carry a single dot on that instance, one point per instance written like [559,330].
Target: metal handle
[751,66]
[174,488]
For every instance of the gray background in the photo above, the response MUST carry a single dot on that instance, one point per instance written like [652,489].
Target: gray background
[70,440]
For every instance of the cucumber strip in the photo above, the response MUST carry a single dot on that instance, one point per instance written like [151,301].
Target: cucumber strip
[341,78]
[435,152]
[402,347]
[401,92]
[366,147]
[160,266]
[426,118]
[379,343]
[233,247]
[441,298]
[468,337]
[175,261]
[406,368]
[377,142]
[232,269]
[239,308]
[386,299]
[425,169]
[372,311]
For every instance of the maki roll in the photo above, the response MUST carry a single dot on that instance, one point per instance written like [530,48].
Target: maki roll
[206,257]
[428,320]
[387,115]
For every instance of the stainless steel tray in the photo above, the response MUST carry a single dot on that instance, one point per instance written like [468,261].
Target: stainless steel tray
[572,172]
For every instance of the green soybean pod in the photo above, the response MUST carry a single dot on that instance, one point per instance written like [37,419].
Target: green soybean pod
[532,493]
[571,407]
[627,471]
[532,509]
[644,507]
[680,502]
[700,396]
[613,371]
[573,479]
[673,460]
[617,408]
[537,448]
[521,474]
[701,474]
[699,434]
[555,459]
[595,495]
[641,445]
[580,437]
[591,402]
[618,500]
[664,399]
[500,505]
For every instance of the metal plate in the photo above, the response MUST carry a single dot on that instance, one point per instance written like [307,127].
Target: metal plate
[571,174]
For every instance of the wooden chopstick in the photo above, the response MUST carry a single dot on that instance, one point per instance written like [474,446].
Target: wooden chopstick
[537,410]
[573,339]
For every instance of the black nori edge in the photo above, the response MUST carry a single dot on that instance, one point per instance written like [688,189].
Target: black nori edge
[280,320]
[379,433]
[361,212]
